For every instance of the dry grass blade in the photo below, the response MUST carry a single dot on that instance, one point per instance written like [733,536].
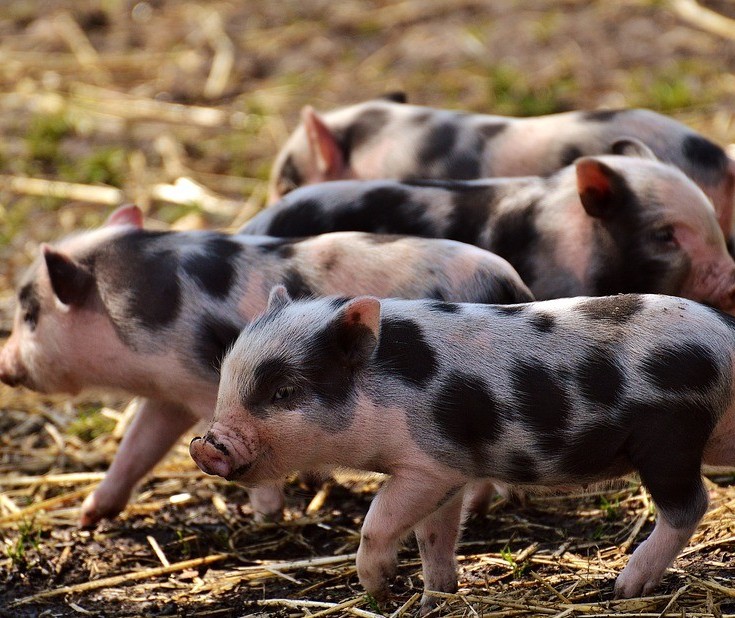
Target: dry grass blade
[704,18]
[62,190]
[45,505]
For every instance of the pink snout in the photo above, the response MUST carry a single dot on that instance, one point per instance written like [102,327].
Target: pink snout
[12,371]
[216,458]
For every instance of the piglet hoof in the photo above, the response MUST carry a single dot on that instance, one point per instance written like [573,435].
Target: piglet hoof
[94,509]
[267,503]
[634,582]
[429,605]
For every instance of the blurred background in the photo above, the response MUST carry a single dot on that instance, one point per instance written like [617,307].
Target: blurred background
[180,107]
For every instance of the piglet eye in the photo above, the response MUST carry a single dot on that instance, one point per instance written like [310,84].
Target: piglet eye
[664,235]
[284,393]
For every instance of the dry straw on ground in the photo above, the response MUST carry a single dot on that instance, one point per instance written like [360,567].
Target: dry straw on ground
[180,107]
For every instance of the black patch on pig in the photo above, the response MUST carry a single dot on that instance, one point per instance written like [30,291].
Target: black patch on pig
[502,291]
[290,178]
[385,210]
[543,322]
[438,143]
[443,307]
[465,412]
[615,309]
[704,154]
[468,218]
[521,468]
[292,217]
[597,448]
[542,401]
[491,130]
[213,338]
[214,268]
[295,284]
[403,352]
[137,269]
[516,239]
[602,115]
[667,439]
[283,247]
[687,367]
[30,304]
[268,376]
[364,128]
[396,96]
[600,378]
[569,155]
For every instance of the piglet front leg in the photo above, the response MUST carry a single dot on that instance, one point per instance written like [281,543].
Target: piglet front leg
[155,429]
[399,505]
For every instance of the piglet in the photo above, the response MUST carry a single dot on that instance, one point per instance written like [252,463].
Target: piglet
[438,395]
[603,225]
[152,314]
[387,139]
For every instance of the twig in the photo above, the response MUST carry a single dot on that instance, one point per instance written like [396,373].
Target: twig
[62,190]
[406,606]
[45,504]
[158,551]
[116,580]
[704,18]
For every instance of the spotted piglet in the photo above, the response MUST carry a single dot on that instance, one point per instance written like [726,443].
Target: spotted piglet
[385,139]
[603,225]
[438,395]
[152,314]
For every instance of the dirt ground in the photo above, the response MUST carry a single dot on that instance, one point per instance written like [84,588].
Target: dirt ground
[180,107]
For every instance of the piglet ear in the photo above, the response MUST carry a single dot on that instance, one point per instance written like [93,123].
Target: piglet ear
[599,187]
[129,214]
[324,147]
[632,147]
[358,329]
[70,281]
[278,298]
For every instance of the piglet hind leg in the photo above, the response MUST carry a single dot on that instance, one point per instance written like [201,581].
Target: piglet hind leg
[681,503]
[437,537]
[400,504]
[155,429]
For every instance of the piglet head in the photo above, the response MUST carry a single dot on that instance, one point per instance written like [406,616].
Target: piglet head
[289,381]
[312,154]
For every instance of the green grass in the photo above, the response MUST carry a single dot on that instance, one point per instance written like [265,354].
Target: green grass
[29,537]
[90,423]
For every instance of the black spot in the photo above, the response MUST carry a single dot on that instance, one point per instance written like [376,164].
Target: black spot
[138,280]
[291,217]
[595,449]
[289,177]
[213,338]
[404,352]
[468,218]
[30,304]
[501,290]
[364,128]
[397,96]
[213,269]
[464,411]
[687,367]
[602,115]
[515,238]
[443,307]
[600,378]
[666,443]
[268,376]
[702,153]
[542,321]
[615,309]
[437,293]
[542,401]
[386,210]
[521,468]
[569,155]
[492,129]
[295,284]
[438,142]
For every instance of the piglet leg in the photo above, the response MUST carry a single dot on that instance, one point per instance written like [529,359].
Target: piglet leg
[437,537]
[154,430]
[399,505]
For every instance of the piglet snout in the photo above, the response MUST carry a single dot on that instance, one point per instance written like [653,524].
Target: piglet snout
[211,456]
[12,372]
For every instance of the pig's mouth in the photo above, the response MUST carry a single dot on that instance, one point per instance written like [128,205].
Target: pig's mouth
[240,471]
